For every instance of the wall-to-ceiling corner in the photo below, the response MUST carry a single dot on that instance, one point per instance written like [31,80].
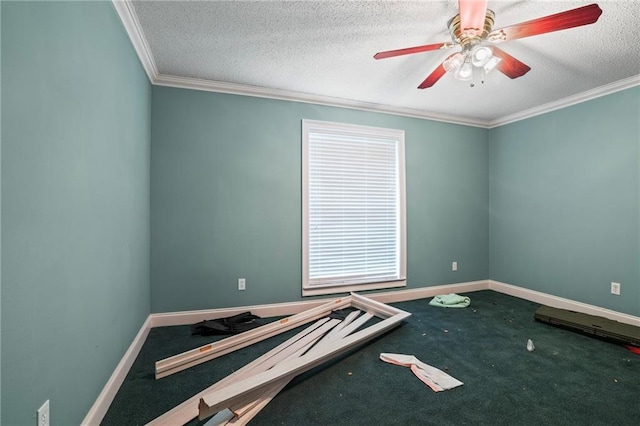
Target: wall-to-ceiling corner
[76,108]
[226,200]
[565,202]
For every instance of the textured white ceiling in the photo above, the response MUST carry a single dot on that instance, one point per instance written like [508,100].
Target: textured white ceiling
[326,48]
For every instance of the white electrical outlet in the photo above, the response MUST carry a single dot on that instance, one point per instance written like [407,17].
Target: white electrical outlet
[615,288]
[454,266]
[242,284]
[43,414]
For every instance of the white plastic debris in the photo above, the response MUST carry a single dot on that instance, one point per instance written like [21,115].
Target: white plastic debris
[530,346]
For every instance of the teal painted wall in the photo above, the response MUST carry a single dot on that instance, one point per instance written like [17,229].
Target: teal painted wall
[226,197]
[565,202]
[0,213]
[76,110]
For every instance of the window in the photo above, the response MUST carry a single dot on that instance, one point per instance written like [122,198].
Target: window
[353,208]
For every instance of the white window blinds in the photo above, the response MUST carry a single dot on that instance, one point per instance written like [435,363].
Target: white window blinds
[354,205]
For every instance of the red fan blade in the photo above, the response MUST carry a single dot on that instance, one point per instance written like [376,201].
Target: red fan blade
[510,66]
[472,14]
[410,50]
[433,77]
[560,21]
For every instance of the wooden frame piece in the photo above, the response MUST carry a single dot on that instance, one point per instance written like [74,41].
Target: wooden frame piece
[241,415]
[237,393]
[246,391]
[213,350]
[188,410]
[348,319]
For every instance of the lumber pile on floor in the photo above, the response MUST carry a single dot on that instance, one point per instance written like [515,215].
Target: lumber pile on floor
[239,397]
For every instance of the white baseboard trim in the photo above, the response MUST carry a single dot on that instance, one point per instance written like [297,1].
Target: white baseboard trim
[424,292]
[279,309]
[270,310]
[103,402]
[101,405]
[562,303]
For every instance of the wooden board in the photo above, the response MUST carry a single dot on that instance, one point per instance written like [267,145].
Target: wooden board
[241,395]
[237,393]
[213,350]
[188,410]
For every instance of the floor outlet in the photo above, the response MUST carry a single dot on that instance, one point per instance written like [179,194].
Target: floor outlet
[454,266]
[615,288]
[43,414]
[242,284]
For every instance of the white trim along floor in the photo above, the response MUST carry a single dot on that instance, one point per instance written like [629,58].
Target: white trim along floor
[104,400]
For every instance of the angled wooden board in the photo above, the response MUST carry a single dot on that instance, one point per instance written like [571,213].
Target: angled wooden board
[245,392]
[213,350]
[238,392]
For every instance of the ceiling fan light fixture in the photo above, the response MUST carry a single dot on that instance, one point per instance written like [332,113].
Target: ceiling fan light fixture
[465,73]
[453,63]
[491,64]
[481,55]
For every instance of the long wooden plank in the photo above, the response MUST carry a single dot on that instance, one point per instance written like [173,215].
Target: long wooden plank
[244,417]
[301,345]
[245,413]
[349,318]
[350,328]
[242,413]
[345,331]
[213,350]
[188,410]
[233,394]
[254,402]
[249,411]
[264,394]
[379,309]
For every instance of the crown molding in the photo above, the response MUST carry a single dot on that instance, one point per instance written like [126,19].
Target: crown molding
[127,14]
[597,92]
[129,19]
[263,92]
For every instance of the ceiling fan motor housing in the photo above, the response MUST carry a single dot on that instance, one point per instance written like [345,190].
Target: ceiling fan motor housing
[468,39]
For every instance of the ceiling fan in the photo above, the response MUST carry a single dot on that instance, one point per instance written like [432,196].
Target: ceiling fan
[472,30]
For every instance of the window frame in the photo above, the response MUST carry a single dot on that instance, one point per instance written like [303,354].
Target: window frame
[357,130]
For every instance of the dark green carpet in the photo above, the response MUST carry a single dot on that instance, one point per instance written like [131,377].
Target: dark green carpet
[570,379]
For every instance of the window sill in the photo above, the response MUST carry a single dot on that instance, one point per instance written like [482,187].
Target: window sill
[318,291]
